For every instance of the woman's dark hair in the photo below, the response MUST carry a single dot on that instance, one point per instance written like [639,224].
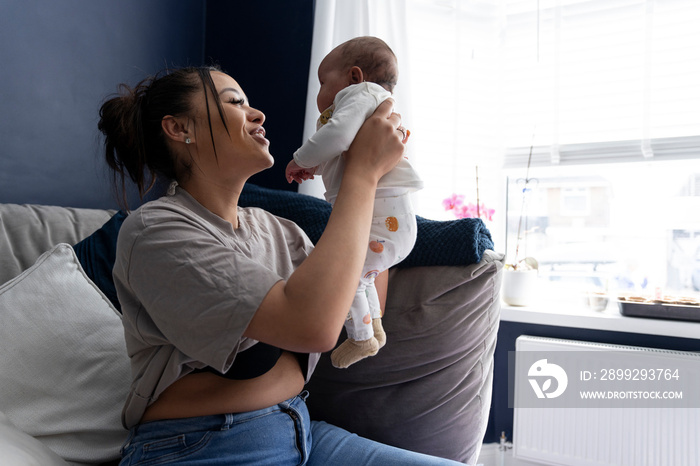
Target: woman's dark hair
[135,145]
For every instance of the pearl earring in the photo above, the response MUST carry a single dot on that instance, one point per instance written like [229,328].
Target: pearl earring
[187,141]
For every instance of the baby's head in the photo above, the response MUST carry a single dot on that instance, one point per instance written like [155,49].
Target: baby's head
[360,59]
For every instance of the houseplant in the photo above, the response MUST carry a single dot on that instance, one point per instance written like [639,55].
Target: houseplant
[520,275]
[456,204]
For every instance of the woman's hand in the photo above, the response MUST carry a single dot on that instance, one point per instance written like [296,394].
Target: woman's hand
[378,146]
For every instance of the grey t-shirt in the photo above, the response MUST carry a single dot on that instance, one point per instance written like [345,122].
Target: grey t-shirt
[189,284]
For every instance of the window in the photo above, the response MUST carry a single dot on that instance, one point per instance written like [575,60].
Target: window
[623,228]
[595,103]
[601,97]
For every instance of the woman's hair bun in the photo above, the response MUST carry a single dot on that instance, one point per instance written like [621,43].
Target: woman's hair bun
[130,120]
[121,124]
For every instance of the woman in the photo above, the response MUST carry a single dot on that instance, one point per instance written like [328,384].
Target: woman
[226,309]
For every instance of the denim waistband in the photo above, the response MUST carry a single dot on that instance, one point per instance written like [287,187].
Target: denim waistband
[161,428]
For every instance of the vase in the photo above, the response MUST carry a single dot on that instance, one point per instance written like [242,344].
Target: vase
[519,287]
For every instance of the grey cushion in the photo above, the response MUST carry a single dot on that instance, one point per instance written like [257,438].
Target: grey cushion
[429,388]
[27,231]
[19,448]
[64,370]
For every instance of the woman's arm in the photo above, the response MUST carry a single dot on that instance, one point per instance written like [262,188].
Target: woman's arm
[307,312]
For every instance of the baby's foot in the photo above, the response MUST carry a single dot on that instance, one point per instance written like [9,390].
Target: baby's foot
[351,351]
[379,332]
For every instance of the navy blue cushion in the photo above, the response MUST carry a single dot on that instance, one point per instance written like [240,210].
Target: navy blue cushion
[97,254]
[310,213]
[450,242]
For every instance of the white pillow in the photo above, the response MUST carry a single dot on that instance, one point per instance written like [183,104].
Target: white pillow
[64,370]
[20,449]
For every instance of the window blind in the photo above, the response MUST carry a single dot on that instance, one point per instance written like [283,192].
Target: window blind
[592,81]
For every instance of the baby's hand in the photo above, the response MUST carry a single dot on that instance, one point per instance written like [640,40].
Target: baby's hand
[296,173]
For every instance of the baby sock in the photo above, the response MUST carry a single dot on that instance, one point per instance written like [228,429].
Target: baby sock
[351,351]
[379,331]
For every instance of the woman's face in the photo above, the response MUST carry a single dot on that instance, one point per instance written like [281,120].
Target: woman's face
[243,150]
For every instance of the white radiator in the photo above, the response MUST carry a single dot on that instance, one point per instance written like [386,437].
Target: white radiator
[579,434]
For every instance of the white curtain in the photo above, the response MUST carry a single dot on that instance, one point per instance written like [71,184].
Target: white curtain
[446,51]
[454,66]
[335,22]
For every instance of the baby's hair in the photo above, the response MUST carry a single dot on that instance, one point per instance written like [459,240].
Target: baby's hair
[135,146]
[374,57]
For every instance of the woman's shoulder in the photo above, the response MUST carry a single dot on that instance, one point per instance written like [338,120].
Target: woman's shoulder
[153,212]
[171,218]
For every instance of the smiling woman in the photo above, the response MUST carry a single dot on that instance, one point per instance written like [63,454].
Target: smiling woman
[226,309]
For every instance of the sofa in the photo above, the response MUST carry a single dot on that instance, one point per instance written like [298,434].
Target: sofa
[64,372]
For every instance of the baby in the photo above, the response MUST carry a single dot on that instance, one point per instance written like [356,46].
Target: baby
[355,78]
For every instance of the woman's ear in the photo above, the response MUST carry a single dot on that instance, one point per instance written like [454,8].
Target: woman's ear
[356,75]
[175,129]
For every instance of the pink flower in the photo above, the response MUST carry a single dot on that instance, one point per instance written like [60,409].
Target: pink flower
[463,211]
[455,203]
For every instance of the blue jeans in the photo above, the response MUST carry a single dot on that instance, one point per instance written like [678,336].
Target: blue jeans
[278,435]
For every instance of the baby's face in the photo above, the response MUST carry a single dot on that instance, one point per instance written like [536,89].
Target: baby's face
[332,78]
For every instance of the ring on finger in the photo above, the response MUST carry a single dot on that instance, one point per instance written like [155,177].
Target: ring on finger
[403,131]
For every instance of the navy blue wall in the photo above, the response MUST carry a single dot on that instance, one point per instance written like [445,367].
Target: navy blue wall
[266,47]
[60,60]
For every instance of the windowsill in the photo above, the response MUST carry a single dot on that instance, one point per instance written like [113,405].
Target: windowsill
[609,319]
